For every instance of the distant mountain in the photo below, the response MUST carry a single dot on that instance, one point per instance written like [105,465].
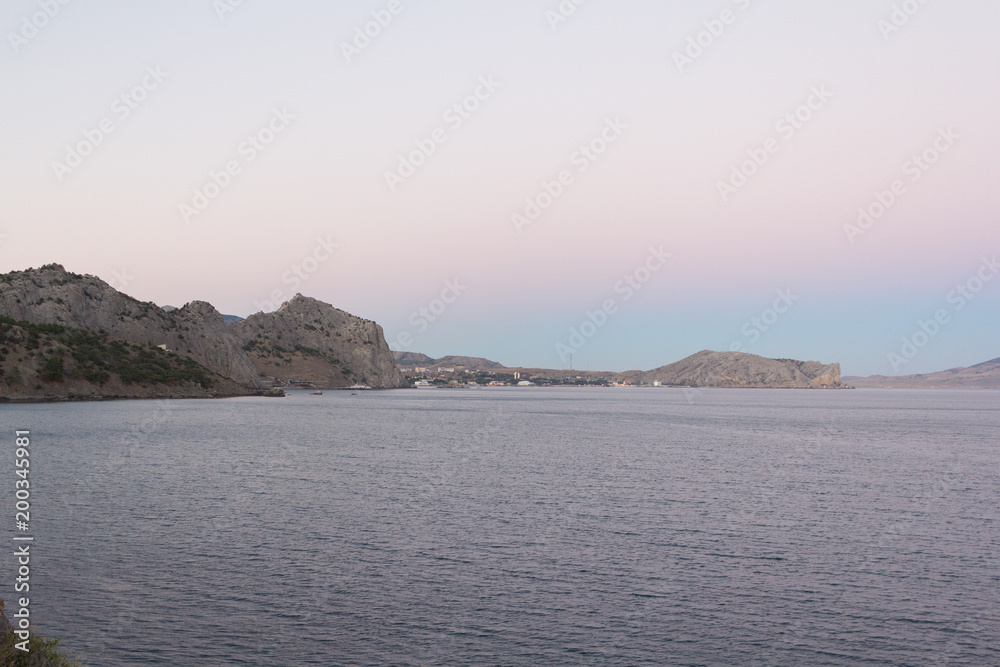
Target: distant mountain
[472,363]
[469,363]
[412,359]
[737,369]
[981,376]
[304,340]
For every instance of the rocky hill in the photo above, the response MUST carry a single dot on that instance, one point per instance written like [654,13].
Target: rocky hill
[412,359]
[738,369]
[53,361]
[310,341]
[981,376]
[470,363]
[345,347]
[52,295]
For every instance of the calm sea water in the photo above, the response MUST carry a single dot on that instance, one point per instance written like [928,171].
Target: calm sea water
[519,526]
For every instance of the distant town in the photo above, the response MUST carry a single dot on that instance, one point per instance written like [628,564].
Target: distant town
[459,377]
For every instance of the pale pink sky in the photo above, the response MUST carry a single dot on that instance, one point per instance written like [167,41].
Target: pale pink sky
[323,176]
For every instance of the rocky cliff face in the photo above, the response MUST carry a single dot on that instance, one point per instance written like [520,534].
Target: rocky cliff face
[737,369]
[42,362]
[310,341]
[52,295]
[202,334]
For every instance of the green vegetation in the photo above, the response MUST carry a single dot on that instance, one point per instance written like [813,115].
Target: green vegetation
[41,652]
[96,356]
[259,346]
[52,367]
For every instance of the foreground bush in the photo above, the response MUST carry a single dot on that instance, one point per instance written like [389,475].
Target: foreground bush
[41,652]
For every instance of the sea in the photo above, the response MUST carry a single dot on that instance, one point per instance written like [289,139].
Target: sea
[515,526]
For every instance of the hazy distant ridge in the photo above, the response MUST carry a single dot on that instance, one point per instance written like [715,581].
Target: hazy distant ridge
[981,376]
[471,363]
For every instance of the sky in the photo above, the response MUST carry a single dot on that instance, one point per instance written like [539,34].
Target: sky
[612,185]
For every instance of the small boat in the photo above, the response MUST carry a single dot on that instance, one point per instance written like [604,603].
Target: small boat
[359,386]
[317,393]
[422,384]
